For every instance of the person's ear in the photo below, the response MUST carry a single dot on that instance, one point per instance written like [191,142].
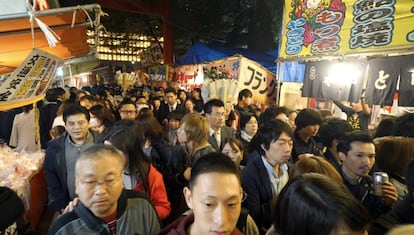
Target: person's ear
[187,196]
[342,156]
[77,185]
[263,147]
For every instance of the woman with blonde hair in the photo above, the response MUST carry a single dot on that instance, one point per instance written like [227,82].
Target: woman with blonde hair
[193,137]
[392,156]
[314,164]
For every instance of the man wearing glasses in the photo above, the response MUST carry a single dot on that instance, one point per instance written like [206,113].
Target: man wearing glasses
[105,207]
[128,109]
[215,115]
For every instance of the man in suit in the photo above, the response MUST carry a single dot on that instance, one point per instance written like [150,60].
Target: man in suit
[171,104]
[218,131]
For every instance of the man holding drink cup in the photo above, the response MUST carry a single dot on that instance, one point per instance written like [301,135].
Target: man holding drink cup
[357,152]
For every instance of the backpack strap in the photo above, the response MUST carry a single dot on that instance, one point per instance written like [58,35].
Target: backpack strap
[242,221]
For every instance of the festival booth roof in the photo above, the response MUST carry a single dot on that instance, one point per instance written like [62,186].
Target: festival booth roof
[200,53]
[18,38]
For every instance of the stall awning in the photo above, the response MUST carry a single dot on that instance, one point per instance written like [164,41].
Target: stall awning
[17,40]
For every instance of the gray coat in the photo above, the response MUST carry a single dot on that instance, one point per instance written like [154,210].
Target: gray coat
[135,215]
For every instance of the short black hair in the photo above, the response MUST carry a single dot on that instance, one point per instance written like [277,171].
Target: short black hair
[404,125]
[175,115]
[333,129]
[51,95]
[125,102]
[308,117]
[208,106]
[244,119]
[215,162]
[60,91]
[269,133]
[270,113]
[158,88]
[344,144]
[170,90]
[385,128]
[74,109]
[198,90]
[91,98]
[245,93]
[102,93]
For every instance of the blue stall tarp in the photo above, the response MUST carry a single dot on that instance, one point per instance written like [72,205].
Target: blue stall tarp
[201,53]
[292,71]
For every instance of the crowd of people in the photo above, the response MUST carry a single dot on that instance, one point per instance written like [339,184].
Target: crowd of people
[164,161]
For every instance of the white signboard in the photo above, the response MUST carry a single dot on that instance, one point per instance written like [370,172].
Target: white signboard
[29,81]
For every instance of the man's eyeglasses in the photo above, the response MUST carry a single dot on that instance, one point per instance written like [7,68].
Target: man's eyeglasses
[129,112]
[91,184]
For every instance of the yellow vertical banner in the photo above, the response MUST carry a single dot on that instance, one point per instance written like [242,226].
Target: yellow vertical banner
[340,27]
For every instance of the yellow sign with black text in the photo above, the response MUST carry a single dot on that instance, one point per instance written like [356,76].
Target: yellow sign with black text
[341,27]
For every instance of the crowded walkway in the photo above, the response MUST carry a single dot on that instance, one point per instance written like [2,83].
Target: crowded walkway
[129,162]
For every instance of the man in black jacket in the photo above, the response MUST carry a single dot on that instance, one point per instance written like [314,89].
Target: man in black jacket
[357,152]
[307,122]
[47,114]
[171,104]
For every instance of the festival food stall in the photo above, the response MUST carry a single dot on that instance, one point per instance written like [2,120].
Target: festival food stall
[33,45]
[22,172]
[351,48]
[224,79]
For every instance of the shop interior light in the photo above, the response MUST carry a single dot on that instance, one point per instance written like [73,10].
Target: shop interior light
[84,77]
[343,74]
[199,78]
[59,72]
